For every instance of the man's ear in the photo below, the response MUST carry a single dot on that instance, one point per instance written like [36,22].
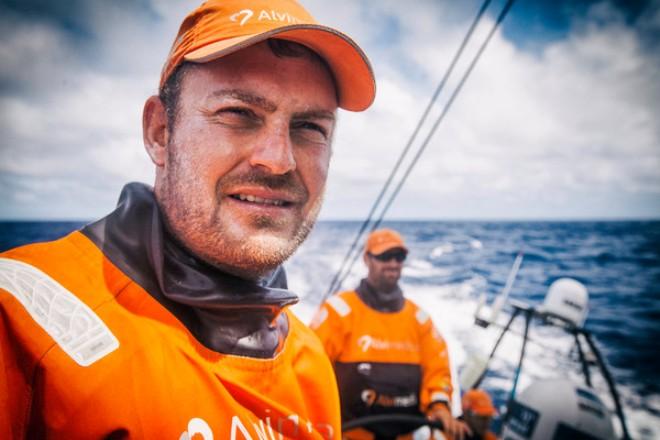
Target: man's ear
[155,131]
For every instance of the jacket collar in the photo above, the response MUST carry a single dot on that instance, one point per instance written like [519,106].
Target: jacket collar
[225,313]
[389,302]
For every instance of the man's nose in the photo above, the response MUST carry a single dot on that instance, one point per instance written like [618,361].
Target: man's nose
[274,152]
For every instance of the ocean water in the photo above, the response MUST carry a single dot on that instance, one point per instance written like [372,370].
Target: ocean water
[451,264]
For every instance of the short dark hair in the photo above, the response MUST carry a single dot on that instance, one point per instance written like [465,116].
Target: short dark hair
[170,92]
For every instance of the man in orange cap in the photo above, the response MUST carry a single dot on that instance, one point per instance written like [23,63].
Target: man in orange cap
[387,355]
[166,319]
[478,412]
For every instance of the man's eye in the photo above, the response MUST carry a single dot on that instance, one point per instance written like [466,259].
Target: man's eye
[235,111]
[310,130]
[236,116]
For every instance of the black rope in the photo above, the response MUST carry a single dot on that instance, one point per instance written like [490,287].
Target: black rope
[583,360]
[448,105]
[336,282]
[492,352]
[339,280]
[610,383]
[516,377]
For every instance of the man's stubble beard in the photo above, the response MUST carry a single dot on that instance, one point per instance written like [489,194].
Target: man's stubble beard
[224,243]
[262,251]
[386,285]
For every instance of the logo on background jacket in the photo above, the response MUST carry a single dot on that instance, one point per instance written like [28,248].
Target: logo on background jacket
[371,397]
[368,397]
[367,342]
[364,368]
[244,15]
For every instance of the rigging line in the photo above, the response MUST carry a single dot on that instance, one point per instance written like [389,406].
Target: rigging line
[448,105]
[404,153]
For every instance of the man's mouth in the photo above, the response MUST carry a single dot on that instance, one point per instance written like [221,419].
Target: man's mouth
[260,200]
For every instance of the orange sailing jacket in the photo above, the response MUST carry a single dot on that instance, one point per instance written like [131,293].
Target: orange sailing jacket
[87,353]
[385,362]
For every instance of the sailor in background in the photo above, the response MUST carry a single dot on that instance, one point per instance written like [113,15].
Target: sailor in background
[478,412]
[387,355]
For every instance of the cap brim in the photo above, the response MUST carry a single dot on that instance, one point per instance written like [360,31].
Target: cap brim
[350,66]
[381,249]
[485,411]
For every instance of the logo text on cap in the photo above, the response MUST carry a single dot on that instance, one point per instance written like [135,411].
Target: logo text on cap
[247,14]
[264,15]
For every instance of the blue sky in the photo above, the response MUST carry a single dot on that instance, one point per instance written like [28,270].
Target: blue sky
[559,120]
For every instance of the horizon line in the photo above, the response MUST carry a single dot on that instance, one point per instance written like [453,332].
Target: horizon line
[393,220]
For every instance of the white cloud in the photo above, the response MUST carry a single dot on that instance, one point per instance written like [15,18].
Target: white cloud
[531,134]
[575,121]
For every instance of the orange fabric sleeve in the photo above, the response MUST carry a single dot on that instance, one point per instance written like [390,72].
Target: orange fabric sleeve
[331,330]
[436,379]
[316,377]
[14,398]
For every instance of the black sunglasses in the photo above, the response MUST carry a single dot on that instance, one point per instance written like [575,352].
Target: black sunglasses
[399,256]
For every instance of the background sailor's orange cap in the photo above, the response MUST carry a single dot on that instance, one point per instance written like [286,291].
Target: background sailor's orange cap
[478,402]
[382,240]
[220,27]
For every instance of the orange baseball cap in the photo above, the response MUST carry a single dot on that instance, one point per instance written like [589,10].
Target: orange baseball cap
[478,402]
[382,240]
[220,27]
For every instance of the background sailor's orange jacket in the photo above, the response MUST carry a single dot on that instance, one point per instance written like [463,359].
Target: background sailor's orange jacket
[85,352]
[385,362]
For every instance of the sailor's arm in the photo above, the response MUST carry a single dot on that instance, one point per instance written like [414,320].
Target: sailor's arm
[330,325]
[16,370]
[436,372]
[436,390]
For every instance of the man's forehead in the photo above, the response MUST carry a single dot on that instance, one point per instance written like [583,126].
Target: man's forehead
[254,98]
[245,96]
[259,63]
[253,77]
